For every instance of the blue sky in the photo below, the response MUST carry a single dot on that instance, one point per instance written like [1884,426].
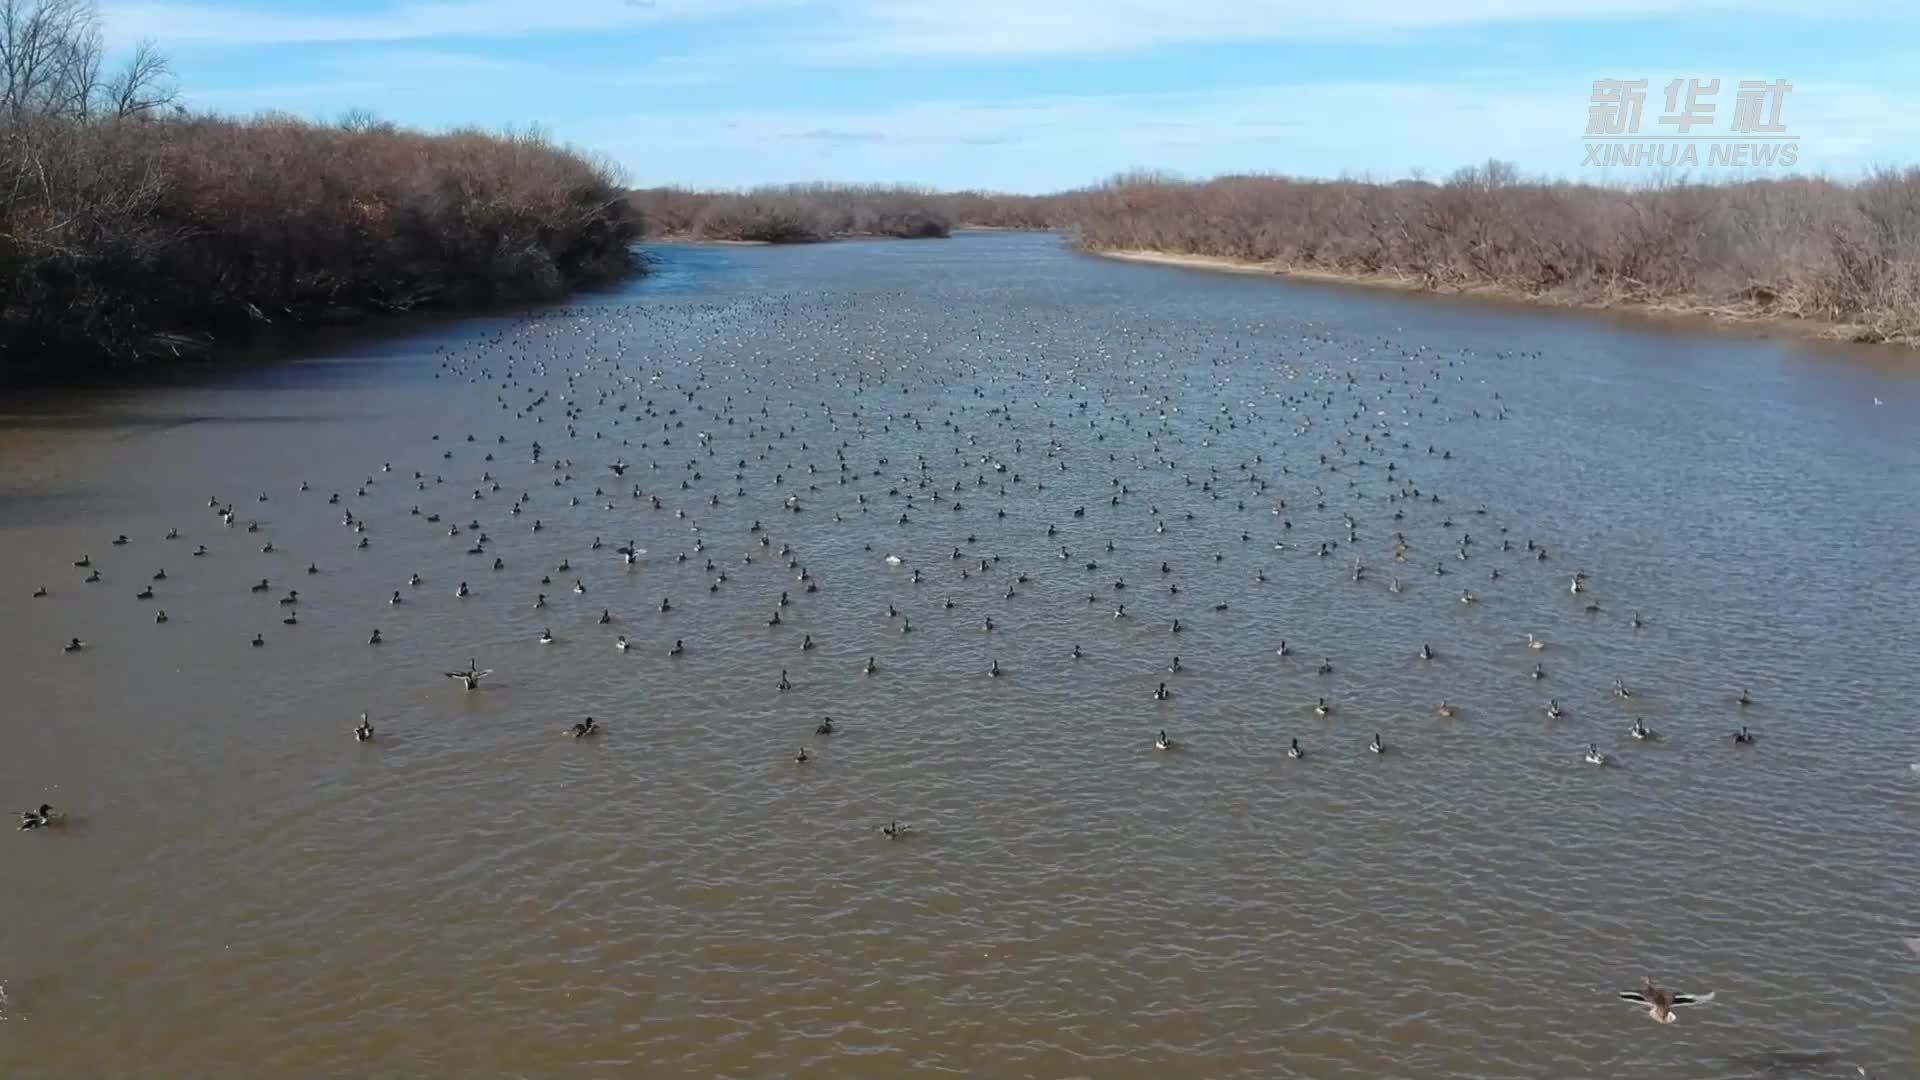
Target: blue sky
[1040,95]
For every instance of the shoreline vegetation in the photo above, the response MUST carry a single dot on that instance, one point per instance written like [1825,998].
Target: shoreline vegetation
[1814,256]
[134,231]
[817,213]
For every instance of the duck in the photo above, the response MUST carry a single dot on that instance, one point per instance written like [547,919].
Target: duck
[679,648]
[1444,710]
[258,641]
[1743,700]
[1161,693]
[1321,708]
[1554,711]
[1161,742]
[1640,730]
[92,578]
[893,830]
[1661,1002]
[1534,642]
[36,819]
[144,594]
[470,678]
[824,727]
[1594,756]
[1376,745]
[292,619]
[993,670]
[869,667]
[802,757]
[73,645]
[622,643]
[546,637]
[1743,737]
[160,616]
[39,592]
[1426,652]
[364,733]
[374,638]
[584,728]
[1294,751]
[1620,689]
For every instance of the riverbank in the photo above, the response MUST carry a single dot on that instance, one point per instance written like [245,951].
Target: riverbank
[1813,257]
[1753,319]
[148,241]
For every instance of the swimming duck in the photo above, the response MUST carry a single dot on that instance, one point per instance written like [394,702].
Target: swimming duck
[546,637]
[1294,751]
[73,646]
[1594,756]
[1444,710]
[1161,693]
[144,594]
[1426,651]
[1321,708]
[374,638]
[621,643]
[1554,711]
[1640,730]
[825,727]
[802,757]
[1743,700]
[364,733]
[160,616]
[36,819]
[1376,745]
[258,641]
[679,647]
[39,592]
[584,728]
[993,670]
[1535,643]
[893,830]
[1161,742]
[1743,737]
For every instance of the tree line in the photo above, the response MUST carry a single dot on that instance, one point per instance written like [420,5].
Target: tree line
[1840,253]
[132,229]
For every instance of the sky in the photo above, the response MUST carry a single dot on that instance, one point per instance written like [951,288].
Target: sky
[1047,95]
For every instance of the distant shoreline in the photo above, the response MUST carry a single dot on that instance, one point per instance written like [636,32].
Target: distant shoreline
[1697,314]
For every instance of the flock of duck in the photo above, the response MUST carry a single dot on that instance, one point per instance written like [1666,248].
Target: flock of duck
[1079,470]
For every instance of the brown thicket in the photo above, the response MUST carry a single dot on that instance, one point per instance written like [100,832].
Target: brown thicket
[130,229]
[809,213]
[1841,253]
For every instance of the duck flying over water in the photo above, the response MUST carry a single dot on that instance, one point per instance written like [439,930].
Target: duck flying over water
[1660,1001]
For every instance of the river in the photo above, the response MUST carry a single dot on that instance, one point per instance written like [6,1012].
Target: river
[239,888]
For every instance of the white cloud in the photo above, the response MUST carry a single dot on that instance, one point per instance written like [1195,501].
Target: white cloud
[1381,129]
[173,22]
[876,30]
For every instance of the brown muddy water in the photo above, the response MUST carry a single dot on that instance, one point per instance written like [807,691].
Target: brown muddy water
[239,888]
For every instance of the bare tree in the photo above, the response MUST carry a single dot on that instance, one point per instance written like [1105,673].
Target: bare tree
[143,85]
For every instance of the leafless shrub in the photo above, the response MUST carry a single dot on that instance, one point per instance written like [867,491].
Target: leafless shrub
[126,228]
[1847,254]
[805,213]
